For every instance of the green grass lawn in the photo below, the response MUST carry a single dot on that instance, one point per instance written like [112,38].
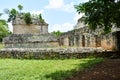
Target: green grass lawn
[14,69]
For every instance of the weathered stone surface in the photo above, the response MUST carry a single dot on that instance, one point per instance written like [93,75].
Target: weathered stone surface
[30,41]
[82,37]
[30,29]
[49,53]
[20,27]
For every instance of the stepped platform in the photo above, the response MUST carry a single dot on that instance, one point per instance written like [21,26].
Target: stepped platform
[30,41]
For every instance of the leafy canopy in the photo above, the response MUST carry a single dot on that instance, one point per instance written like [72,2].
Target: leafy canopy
[101,13]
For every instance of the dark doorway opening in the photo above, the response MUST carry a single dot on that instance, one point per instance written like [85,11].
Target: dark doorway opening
[83,41]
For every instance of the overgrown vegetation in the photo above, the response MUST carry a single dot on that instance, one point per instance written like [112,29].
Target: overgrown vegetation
[41,19]
[20,7]
[11,13]
[13,69]
[27,18]
[4,31]
[57,33]
[101,13]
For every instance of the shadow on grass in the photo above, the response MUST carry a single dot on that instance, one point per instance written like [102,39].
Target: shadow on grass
[62,75]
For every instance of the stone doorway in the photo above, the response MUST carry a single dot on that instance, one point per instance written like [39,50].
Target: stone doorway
[83,41]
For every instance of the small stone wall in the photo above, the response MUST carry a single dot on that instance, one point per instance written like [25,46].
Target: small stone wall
[30,29]
[49,53]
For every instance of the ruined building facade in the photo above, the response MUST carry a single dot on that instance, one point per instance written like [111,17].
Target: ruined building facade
[82,36]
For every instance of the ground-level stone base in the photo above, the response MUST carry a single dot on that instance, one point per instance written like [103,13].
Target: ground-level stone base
[51,53]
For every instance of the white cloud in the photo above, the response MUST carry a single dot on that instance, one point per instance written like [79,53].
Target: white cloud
[53,4]
[37,12]
[62,27]
[68,7]
[78,16]
[60,5]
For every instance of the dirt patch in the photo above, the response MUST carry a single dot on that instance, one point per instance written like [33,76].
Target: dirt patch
[106,70]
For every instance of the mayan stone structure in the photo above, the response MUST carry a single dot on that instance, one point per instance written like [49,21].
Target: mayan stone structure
[20,27]
[34,42]
[34,35]
[82,36]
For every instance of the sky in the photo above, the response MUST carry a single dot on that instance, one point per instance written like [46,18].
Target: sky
[59,14]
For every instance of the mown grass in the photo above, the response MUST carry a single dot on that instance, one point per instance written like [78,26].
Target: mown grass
[14,69]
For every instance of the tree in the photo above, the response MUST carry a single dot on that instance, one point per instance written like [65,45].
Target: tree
[20,7]
[11,13]
[4,31]
[41,19]
[57,33]
[27,18]
[101,13]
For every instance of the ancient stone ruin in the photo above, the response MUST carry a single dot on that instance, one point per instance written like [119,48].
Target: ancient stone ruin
[34,35]
[34,42]
[82,36]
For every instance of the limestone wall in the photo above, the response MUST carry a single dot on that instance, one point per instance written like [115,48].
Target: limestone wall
[50,53]
[30,29]
[109,41]
[32,45]
[36,27]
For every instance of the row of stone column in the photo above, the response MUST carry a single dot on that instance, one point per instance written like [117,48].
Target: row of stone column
[86,40]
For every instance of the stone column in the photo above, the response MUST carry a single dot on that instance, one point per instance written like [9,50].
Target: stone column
[66,41]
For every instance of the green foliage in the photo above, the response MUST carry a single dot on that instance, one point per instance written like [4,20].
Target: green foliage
[4,31]
[11,13]
[1,46]
[41,19]
[27,18]
[101,13]
[20,7]
[57,33]
[14,69]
